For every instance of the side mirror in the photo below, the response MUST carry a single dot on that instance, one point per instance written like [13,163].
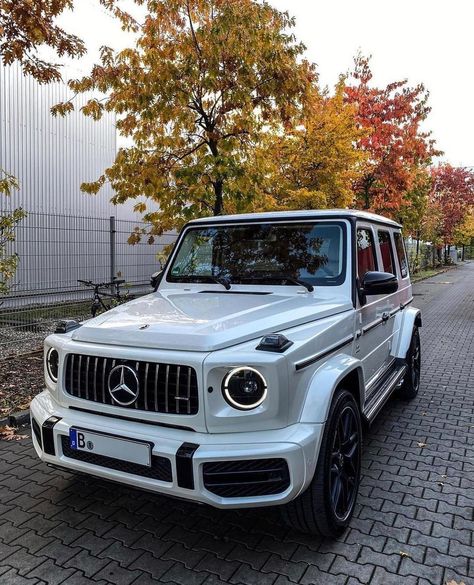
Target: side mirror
[155,279]
[379,283]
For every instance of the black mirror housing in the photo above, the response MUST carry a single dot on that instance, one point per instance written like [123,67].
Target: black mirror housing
[379,283]
[155,279]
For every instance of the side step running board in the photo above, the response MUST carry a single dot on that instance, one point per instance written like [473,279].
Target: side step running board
[383,393]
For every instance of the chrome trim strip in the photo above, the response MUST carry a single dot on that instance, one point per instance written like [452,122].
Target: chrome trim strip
[372,325]
[145,400]
[403,305]
[95,378]
[155,389]
[167,388]
[378,375]
[104,367]
[391,384]
[71,377]
[177,397]
[189,390]
[87,376]
[79,377]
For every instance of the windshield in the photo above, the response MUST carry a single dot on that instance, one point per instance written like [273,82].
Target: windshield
[262,253]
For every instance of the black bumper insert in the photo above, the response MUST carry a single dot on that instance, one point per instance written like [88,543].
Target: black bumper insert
[246,477]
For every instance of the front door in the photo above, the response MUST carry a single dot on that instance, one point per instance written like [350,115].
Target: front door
[374,328]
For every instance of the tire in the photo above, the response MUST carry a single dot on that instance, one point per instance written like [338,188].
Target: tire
[315,511]
[411,382]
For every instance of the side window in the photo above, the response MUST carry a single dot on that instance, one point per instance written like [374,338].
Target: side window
[386,252]
[402,259]
[365,252]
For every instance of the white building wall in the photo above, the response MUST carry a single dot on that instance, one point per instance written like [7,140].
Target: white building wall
[66,233]
[51,157]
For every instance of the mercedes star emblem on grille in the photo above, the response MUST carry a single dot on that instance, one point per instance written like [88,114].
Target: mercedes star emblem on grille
[123,385]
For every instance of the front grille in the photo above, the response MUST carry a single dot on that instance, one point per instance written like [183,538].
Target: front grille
[165,388]
[246,478]
[160,466]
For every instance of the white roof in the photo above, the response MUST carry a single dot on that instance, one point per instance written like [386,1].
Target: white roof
[302,214]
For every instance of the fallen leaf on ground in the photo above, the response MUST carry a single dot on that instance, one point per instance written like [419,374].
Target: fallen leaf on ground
[10,434]
[421,445]
[404,554]
[454,583]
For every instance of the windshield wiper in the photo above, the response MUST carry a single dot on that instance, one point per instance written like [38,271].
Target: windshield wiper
[307,286]
[220,280]
[287,277]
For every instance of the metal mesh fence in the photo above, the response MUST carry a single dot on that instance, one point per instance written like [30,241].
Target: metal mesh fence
[54,252]
[425,256]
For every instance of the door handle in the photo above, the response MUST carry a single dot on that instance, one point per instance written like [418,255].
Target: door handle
[385,316]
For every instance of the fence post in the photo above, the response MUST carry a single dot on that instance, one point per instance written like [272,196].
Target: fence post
[112,247]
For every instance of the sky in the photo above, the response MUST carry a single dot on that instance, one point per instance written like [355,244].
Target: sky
[427,41]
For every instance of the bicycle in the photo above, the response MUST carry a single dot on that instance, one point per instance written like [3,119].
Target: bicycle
[98,302]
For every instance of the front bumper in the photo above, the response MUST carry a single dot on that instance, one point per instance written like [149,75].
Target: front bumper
[187,451]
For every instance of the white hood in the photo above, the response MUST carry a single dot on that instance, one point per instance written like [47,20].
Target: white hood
[204,321]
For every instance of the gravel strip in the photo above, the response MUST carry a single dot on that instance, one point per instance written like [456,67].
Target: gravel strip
[21,378]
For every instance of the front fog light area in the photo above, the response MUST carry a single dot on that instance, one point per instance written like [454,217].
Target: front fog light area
[52,363]
[244,388]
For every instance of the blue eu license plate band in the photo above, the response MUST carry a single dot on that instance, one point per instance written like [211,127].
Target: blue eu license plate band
[73,438]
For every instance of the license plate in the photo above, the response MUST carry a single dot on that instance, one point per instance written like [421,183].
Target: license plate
[110,446]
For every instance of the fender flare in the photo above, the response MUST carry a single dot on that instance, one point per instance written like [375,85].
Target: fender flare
[323,384]
[410,318]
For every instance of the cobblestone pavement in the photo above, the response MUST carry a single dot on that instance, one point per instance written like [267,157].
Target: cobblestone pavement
[413,523]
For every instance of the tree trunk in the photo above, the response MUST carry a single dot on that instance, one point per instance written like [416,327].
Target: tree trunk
[218,202]
[366,197]
[218,184]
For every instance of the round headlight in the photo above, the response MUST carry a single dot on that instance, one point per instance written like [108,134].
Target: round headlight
[244,388]
[52,364]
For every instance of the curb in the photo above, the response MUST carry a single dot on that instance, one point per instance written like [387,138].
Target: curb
[18,419]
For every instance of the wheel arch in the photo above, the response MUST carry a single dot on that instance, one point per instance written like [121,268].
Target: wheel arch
[410,318]
[341,371]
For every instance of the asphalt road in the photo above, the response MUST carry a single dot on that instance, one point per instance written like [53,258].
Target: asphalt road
[413,523]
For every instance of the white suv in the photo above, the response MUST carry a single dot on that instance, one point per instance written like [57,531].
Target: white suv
[244,379]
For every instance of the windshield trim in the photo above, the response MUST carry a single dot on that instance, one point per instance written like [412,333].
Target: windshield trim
[342,223]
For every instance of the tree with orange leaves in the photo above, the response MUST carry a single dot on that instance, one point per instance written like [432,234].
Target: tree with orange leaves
[394,141]
[452,195]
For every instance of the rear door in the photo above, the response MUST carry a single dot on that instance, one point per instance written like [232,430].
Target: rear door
[389,304]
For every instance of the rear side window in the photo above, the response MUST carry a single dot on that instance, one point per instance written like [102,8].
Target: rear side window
[365,252]
[386,252]
[402,259]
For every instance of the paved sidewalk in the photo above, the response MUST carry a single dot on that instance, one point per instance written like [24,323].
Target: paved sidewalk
[413,523]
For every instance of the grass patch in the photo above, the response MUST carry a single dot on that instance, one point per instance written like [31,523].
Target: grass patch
[424,274]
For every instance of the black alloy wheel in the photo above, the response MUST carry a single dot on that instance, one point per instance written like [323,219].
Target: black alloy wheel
[411,382]
[416,360]
[345,463]
[325,508]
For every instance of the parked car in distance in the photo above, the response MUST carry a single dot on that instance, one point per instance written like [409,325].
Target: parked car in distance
[245,378]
